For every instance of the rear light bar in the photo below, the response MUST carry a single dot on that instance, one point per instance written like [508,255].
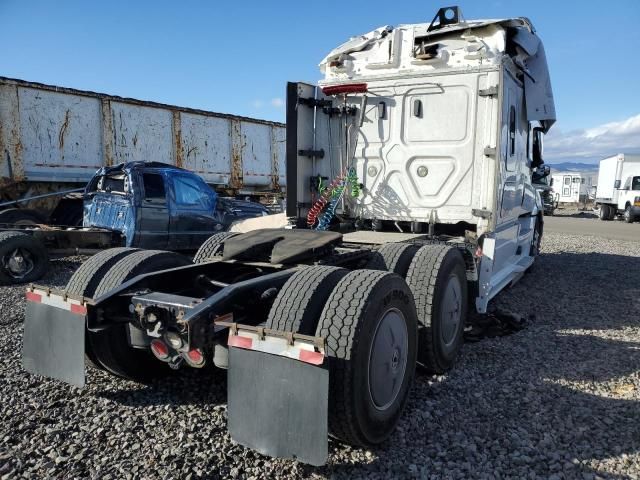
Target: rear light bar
[59,299]
[346,88]
[284,344]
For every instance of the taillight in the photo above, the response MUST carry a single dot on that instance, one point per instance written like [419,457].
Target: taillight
[160,349]
[194,357]
[347,88]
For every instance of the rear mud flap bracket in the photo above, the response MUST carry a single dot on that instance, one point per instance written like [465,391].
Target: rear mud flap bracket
[278,406]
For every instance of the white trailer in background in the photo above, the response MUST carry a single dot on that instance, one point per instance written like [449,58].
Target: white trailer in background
[618,189]
[53,139]
[572,186]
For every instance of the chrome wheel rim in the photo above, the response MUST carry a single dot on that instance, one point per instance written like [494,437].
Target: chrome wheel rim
[388,359]
[18,264]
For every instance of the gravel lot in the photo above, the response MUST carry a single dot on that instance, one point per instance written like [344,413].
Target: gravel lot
[560,399]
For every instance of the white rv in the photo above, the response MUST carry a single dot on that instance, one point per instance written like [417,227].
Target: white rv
[619,187]
[572,187]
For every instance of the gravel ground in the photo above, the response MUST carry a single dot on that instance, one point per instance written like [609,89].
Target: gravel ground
[559,399]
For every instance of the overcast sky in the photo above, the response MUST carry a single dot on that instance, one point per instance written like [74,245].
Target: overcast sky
[236,57]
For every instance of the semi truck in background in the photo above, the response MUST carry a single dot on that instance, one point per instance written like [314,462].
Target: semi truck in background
[543,183]
[53,140]
[410,183]
[618,187]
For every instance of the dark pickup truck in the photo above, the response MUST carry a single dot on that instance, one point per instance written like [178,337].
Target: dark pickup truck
[147,205]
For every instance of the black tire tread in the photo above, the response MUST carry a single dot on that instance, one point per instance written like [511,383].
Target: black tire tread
[422,278]
[128,267]
[339,327]
[299,303]
[211,247]
[85,279]
[393,257]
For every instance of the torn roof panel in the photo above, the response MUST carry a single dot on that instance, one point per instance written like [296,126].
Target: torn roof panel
[412,49]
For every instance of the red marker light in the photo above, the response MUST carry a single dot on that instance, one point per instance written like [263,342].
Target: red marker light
[159,349]
[347,88]
[195,356]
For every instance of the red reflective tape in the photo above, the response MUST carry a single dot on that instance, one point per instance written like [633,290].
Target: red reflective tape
[240,342]
[34,297]
[79,309]
[315,358]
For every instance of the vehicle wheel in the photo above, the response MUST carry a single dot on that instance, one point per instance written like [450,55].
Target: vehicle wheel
[111,346]
[536,242]
[299,303]
[212,247]
[23,258]
[437,278]
[393,257]
[370,327]
[604,212]
[85,280]
[21,216]
[628,215]
[613,212]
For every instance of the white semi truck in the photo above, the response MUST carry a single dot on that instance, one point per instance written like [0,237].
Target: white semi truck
[618,187]
[409,184]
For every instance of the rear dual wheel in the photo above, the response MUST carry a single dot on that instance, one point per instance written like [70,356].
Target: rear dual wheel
[109,349]
[436,275]
[368,320]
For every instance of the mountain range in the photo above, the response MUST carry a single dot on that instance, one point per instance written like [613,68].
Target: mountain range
[573,166]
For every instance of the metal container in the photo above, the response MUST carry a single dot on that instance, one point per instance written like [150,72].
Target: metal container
[61,135]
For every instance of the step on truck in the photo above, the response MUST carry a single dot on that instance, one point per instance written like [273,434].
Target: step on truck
[618,188]
[409,190]
[148,205]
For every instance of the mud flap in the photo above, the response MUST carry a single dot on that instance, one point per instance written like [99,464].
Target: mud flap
[278,406]
[53,343]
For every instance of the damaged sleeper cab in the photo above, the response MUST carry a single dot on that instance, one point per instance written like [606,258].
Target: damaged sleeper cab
[409,174]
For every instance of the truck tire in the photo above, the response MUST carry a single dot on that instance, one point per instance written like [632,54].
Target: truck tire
[393,257]
[613,212]
[370,326]
[629,217]
[437,278]
[212,247]
[23,258]
[21,216]
[604,212]
[299,303]
[85,280]
[111,346]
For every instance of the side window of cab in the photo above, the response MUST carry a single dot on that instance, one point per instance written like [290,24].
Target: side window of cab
[190,192]
[154,190]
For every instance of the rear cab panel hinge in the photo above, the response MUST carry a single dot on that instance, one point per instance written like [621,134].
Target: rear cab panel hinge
[311,153]
[488,92]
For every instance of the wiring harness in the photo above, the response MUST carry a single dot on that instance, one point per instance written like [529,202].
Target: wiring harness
[324,208]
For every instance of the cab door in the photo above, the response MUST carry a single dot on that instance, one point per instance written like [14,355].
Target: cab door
[153,214]
[193,216]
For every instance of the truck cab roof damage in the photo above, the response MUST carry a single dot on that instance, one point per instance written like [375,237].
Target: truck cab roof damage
[465,45]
